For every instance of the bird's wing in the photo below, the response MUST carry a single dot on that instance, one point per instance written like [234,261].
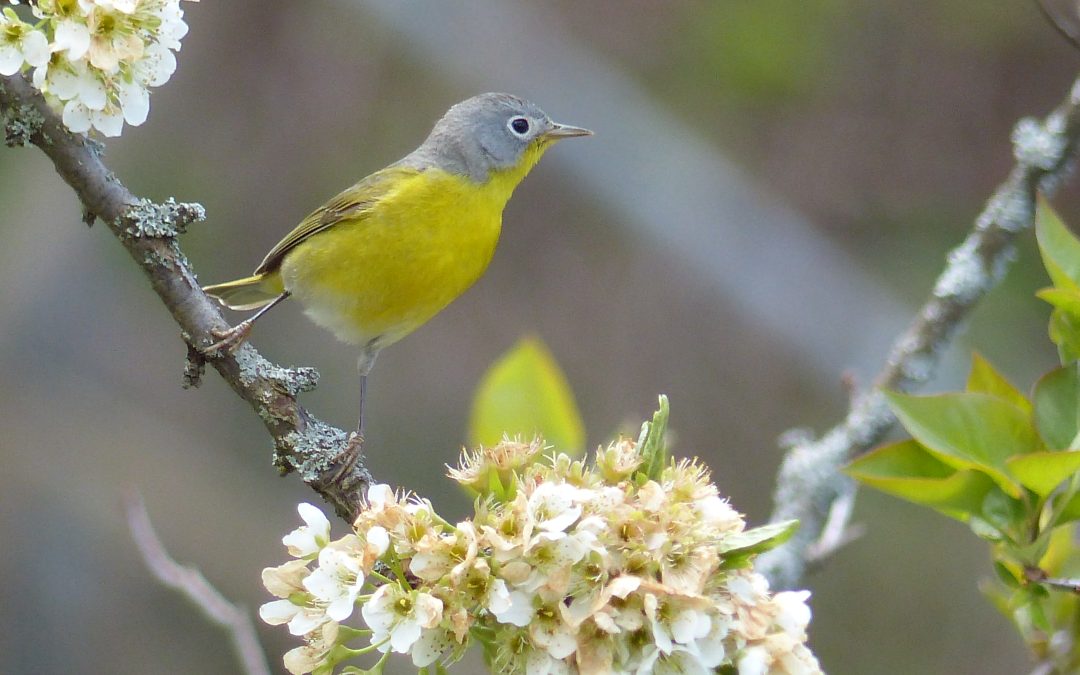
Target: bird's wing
[350,204]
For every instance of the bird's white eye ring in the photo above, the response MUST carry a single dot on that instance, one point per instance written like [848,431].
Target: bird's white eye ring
[519,125]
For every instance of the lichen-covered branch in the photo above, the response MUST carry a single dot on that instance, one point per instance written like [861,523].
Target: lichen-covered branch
[809,482]
[148,231]
[190,583]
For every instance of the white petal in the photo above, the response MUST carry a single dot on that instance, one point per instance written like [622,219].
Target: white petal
[278,612]
[380,494]
[135,102]
[498,600]
[314,518]
[404,635]
[72,36]
[108,122]
[378,540]
[10,59]
[341,608]
[323,584]
[378,611]
[35,48]
[306,621]
[794,614]
[63,83]
[156,65]
[689,625]
[520,612]
[754,661]
[432,643]
[76,117]
[92,91]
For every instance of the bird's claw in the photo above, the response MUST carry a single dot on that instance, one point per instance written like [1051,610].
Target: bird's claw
[348,457]
[229,340]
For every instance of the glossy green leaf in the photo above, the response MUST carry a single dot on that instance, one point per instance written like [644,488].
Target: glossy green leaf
[1057,407]
[1059,247]
[968,431]
[1065,333]
[907,470]
[1041,472]
[1065,299]
[1005,575]
[525,393]
[1069,512]
[758,539]
[985,379]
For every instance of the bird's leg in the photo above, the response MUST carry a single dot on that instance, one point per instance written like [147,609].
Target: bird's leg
[363,393]
[229,340]
[348,457]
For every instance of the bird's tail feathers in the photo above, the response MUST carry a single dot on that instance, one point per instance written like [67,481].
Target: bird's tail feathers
[248,293]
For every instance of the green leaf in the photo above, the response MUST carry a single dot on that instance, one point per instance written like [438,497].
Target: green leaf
[758,539]
[1070,512]
[1005,574]
[907,470]
[1041,472]
[1057,407]
[985,530]
[651,444]
[985,379]
[1059,247]
[968,431]
[1065,333]
[1004,513]
[1065,299]
[525,393]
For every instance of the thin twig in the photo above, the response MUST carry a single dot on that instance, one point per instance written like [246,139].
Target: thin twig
[148,232]
[809,481]
[190,583]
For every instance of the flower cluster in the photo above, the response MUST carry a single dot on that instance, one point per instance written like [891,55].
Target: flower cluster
[565,568]
[95,60]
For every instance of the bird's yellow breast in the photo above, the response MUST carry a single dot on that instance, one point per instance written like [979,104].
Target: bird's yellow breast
[376,277]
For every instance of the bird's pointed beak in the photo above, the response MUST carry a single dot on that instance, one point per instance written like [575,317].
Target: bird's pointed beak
[558,131]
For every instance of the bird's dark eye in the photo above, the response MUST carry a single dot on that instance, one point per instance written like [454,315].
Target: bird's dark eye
[519,125]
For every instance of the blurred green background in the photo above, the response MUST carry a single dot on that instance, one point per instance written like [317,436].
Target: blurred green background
[866,137]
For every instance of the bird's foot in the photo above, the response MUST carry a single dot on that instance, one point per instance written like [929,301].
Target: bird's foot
[347,458]
[229,340]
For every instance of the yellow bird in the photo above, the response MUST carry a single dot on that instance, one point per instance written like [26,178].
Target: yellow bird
[387,254]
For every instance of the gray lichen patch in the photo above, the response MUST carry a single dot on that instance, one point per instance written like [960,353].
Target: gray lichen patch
[169,219]
[292,381]
[20,124]
[310,451]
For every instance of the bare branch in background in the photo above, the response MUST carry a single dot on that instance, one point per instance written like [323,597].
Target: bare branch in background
[809,481]
[148,232]
[190,583]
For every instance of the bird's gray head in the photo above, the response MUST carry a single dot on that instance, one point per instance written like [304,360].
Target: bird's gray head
[486,133]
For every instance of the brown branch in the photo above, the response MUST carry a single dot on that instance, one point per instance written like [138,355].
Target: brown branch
[148,232]
[194,586]
[809,481]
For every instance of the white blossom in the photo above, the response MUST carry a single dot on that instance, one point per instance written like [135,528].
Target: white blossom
[96,60]
[396,617]
[308,539]
[336,581]
[20,44]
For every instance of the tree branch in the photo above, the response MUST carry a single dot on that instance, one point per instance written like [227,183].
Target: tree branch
[194,586]
[148,232]
[809,480]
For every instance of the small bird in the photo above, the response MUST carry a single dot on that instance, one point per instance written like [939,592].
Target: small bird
[384,256]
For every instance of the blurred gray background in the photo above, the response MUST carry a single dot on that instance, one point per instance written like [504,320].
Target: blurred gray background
[772,188]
